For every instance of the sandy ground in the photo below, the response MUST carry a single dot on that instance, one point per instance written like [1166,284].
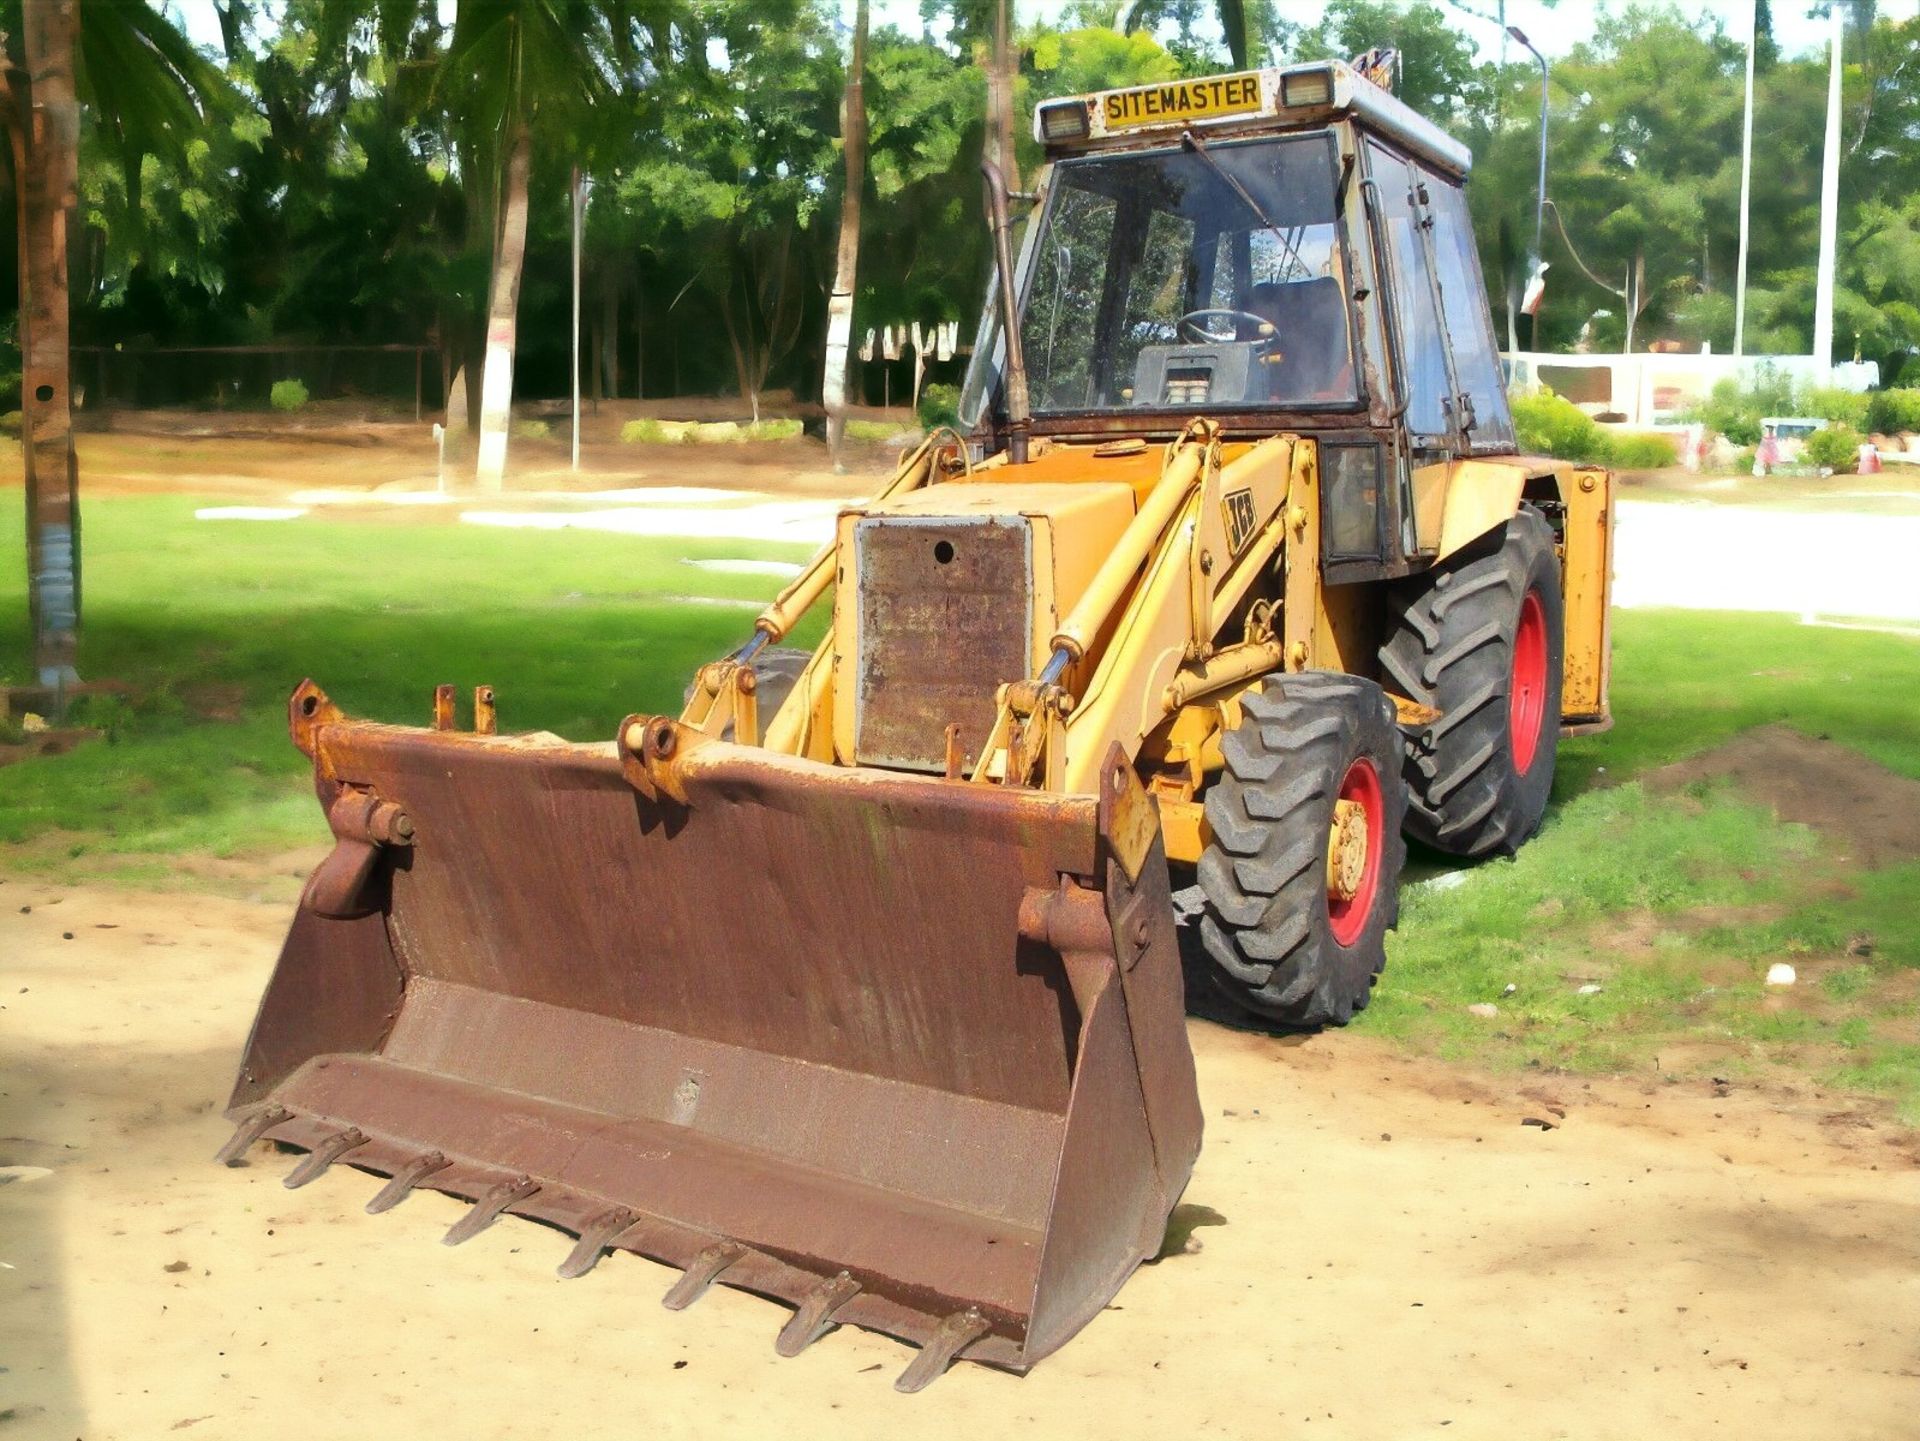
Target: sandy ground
[1380,1248]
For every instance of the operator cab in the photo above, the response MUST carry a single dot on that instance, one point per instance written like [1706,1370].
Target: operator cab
[1284,249]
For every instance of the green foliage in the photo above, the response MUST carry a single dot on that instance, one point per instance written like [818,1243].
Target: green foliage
[331,176]
[883,432]
[1734,409]
[1892,411]
[1548,424]
[288,395]
[1640,452]
[939,405]
[653,432]
[11,422]
[1835,448]
[1842,407]
[716,432]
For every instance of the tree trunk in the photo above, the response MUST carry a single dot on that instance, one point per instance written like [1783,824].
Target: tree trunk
[738,345]
[503,304]
[45,126]
[610,336]
[480,186]
[853,148]
[1000,81]
[1233,24]
[596,353]
[639,333]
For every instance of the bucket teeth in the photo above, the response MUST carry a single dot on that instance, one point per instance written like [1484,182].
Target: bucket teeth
[314,1164]
[249,1131]
[595,1237]
[405,1179]
[815,1315]
[957,1332]
[488,1208]
[705,1269]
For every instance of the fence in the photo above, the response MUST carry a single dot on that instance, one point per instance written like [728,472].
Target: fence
[1647,389]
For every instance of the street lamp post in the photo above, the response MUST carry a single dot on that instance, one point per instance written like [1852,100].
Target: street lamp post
[1540,185]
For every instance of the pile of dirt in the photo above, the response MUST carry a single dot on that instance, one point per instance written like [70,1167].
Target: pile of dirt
[1873,811]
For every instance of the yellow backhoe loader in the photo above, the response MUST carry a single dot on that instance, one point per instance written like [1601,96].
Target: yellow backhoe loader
[857,984]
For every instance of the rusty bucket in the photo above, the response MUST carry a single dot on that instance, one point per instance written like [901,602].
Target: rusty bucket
[901,1052]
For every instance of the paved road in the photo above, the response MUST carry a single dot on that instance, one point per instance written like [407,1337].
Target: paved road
[1729,557]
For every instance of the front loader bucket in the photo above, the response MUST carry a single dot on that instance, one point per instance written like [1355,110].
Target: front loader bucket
[902,1052]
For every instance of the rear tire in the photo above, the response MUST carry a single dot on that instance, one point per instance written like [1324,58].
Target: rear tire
[1480,639]
[1281,944]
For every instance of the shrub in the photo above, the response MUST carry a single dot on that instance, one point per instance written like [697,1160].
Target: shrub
[1734,410]
[1640,452]
[939,405]
[1742,463]
[654,432]
[1891,411]
[288,395]
[1550,425]
[774,430]
[11,422]
[1836,448]
[880,430]
[1728,411]
[531,430]
[1837,406]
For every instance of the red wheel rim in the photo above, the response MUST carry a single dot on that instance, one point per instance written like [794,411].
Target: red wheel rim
[1361,786]
[1527,695]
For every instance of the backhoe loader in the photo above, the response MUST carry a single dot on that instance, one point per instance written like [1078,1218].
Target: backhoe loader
[857,984]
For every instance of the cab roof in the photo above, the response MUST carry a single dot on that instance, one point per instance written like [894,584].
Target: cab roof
[1245,102]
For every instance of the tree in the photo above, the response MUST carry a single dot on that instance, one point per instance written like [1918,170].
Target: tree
[511,64]
[853,155]
[139,78]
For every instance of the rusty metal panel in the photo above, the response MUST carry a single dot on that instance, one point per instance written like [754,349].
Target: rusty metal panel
[946,617]
[876,1045]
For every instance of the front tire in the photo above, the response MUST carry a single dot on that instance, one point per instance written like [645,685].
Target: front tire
[1302,874]
[1481,640]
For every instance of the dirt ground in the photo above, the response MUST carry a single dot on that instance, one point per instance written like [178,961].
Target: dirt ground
[1374,1247]
[1874,812]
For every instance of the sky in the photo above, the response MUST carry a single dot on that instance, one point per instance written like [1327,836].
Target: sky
[1555,28]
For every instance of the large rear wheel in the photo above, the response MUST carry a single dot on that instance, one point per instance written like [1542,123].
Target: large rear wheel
[1302,874]
[1480,639]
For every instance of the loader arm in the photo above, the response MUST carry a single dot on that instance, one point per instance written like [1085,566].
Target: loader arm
[1155,631]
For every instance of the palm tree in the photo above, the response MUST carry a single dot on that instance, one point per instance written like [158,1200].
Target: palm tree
[142,83]
[853,151]
[514,66]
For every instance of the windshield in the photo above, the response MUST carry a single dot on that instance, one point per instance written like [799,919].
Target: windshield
[1187,280]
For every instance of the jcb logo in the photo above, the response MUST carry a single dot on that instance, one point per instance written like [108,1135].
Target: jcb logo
[1239,508]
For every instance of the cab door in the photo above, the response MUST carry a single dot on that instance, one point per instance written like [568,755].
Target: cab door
[1446,366]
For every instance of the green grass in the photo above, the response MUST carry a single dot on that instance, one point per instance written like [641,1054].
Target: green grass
[876,430]
[574,628]
[1684,681]
[1673,905]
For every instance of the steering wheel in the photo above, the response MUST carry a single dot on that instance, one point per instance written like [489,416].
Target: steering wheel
[1189,325]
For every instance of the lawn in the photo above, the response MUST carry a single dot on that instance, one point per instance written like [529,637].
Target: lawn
[213,623]
[1671,905]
